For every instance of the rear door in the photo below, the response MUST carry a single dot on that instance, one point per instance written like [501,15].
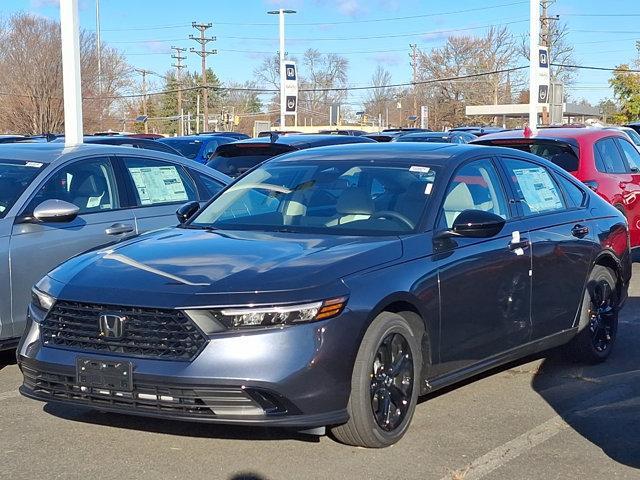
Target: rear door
[37,247]
[562,243]
[157,188]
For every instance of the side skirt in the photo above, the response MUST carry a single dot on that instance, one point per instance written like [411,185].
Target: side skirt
[546,343]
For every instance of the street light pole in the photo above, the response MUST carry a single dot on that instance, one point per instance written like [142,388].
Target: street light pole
[534,36]
[283,101]
[72,90]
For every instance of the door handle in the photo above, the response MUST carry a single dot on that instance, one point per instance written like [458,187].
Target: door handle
[523,243]
[622,185]
[119,229]
[580,231]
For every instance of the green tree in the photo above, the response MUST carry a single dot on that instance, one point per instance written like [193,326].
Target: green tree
[626,88]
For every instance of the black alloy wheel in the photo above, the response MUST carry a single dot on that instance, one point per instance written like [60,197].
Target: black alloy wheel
[603,316]
[392,381]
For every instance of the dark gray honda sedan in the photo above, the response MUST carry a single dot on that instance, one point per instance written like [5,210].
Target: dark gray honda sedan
[331,287]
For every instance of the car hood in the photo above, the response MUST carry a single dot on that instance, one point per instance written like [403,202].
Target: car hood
[219,266]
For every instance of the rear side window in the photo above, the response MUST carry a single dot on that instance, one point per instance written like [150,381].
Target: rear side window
[608,157]
[630,153]
[534,187]
[574,195]
[559,153]
[157,182]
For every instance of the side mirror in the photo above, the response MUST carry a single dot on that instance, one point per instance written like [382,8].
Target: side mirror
[186,211]
[56,211]
[477,224]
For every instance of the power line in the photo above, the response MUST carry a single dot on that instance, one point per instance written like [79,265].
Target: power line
[369,37]
[379,20]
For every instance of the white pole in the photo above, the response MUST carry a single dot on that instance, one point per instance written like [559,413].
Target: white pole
[534,38]
[72,91]
[283,100]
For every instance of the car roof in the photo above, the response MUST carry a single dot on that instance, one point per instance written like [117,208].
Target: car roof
[432,154]
[574,133]
[53,152]
[309,140]
[203,137]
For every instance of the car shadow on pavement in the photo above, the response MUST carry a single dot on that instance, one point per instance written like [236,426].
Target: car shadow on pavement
[174,427]
[601,402]
[7,357]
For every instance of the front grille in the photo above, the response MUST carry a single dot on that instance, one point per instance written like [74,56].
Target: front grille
[147,332]
[178,401]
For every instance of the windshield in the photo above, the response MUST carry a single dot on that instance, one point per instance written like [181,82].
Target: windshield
[340,197]
[187,148]
[15,177]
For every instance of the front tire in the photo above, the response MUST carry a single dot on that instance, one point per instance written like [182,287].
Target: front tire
[385,384]
[599,315]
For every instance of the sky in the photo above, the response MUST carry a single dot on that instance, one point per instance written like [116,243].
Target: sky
[366,32]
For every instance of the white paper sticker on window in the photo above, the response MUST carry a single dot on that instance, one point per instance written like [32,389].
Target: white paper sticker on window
[538,189]
[428,188]
[160,184]
[419,168]
[33,164]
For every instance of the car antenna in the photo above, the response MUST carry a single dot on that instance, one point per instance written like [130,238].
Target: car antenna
[273,136]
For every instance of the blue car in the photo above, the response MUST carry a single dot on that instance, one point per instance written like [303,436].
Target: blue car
[197,147]
[331,287]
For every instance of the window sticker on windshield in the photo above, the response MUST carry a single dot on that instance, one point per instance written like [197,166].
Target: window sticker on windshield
[419,168]
[158,184]
[538,189]
[33,164]
[428,188]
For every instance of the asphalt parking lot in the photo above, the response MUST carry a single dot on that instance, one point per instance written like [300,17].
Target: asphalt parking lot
[543,419]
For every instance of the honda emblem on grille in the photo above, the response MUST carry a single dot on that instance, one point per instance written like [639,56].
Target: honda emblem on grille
[111,326]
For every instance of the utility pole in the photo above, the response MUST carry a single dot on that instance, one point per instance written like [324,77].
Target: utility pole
[203,53]
[414,65]
[178,57]
[144,74]
[545,24]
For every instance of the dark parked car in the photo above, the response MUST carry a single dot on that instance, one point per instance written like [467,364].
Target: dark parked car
[234,135]
[634,125]
[390,134]
[125,141]
[332,287]
[478,131]
[57,202]
[269,133]
[236,158]
[437,137]
[196,147]
[342,131]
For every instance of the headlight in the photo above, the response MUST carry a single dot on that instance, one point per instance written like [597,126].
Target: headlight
[42,300]
[283,315]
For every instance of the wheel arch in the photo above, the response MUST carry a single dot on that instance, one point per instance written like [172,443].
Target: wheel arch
[609,260]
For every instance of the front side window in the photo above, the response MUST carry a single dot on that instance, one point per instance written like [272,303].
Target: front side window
[476,186]
[534,187]
[15,177]
[608,156]
[332,197]
[159,182]
[89,184]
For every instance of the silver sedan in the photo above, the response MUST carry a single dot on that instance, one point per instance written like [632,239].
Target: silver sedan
[57,202]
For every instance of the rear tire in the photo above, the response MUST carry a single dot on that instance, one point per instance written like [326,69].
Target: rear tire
[385,384]
[599,318]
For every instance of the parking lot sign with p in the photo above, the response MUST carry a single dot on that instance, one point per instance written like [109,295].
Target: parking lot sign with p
[290,88]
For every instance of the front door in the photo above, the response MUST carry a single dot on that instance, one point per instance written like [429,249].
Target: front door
[159,188]
[37,247]
[484,282]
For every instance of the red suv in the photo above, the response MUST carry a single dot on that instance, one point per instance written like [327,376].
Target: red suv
[605,160]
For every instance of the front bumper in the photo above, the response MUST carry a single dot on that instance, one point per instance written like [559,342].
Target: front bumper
[297,376]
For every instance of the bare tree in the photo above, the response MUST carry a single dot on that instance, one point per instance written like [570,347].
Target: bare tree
[31,76]
[378,100]
[458,75]
[325,75]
